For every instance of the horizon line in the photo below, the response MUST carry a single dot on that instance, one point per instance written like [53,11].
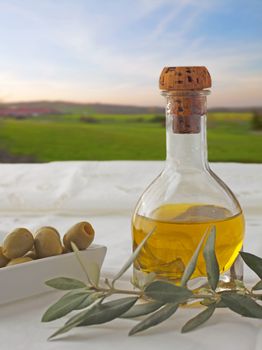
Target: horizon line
[115,104]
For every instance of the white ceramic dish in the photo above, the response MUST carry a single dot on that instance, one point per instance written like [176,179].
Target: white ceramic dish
[28,279]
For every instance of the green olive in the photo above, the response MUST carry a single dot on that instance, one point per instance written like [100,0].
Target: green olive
[51,228]
[18,243]
[82,234]
[3,259]
[17,261]
[47,242]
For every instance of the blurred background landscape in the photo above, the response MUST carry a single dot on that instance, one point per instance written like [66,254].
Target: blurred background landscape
[79,79]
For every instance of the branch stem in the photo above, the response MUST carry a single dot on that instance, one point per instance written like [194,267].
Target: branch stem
[117,291]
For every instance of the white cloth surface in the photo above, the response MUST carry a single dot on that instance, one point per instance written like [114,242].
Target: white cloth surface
[62,193]
[105,187]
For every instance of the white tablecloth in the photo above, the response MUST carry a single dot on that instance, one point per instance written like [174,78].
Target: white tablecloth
[105,193]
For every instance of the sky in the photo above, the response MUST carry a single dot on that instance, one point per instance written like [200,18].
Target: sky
[112,51]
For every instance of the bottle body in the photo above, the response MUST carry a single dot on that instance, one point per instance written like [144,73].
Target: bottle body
[178,231]
[185,200]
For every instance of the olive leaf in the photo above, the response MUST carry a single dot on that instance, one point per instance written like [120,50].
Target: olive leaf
[242,304]
[220,304]
[65,283]
[254,262]
[64,305]
[167,292]
[79,317]
[258,286]
[66,328]
[90,299]
[199,319]
[93,271]
[159,316]
[103,311]
[141,310]
[133,256]
[212,267]
[76,251]
[207,302]
[106,312]
[99,313]
[190,268]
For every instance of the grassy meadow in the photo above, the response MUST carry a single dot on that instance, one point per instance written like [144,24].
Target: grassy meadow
[74,136]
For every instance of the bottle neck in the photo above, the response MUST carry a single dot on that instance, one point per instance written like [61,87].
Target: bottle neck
[186,131]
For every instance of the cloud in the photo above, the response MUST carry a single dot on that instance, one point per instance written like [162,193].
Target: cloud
[115,50]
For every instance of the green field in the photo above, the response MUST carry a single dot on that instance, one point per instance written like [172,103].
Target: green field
[111,137]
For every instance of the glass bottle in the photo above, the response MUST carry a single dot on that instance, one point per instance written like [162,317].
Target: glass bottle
[187,197]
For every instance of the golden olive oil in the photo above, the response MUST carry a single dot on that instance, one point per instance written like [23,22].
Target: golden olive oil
[178,231]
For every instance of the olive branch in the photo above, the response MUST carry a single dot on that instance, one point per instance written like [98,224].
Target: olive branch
[161,299]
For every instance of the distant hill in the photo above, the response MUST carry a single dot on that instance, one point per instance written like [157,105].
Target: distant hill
[71,107]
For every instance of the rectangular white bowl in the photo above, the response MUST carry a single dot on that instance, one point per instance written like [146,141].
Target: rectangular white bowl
[28,279]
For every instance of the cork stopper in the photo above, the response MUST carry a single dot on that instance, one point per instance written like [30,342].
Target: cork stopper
[184,78]
[186,103]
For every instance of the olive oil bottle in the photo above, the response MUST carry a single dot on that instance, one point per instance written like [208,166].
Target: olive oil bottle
[187,198]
